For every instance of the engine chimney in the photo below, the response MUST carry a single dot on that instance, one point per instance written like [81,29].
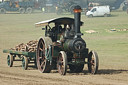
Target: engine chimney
[77,15]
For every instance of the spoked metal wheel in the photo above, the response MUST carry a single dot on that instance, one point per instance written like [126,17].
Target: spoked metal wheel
[10,60]
[24,62]
[93,62]
[43,64]
[62,63]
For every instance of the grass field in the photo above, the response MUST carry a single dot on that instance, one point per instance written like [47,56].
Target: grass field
[112,47]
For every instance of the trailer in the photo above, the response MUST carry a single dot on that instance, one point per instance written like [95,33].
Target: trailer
[25,57]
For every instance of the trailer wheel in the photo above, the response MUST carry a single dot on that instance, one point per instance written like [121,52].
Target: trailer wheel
[2,11]
[43,64]
[76,68]
[62,63]
[24,62]
[29,10]
[22,10]
[10,60]
[93,62]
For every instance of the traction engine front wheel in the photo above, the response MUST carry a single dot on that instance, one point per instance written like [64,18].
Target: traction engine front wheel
[62,63]
[93,62]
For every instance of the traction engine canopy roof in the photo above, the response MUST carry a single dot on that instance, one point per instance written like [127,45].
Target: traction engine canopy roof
[63,20]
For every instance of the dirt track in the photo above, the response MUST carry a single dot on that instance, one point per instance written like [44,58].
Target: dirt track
[17,76]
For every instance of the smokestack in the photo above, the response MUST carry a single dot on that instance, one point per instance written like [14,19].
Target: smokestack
[77,16]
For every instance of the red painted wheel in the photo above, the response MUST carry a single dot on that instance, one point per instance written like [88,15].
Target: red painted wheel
[43,64]
[93,62]
[62,63]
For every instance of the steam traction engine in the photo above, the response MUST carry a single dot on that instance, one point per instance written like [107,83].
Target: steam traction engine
[63,46]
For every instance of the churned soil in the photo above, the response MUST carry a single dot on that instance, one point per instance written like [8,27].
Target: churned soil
[17,76]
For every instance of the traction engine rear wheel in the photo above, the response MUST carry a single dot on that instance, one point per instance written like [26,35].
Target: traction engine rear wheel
[93,62]
[10,60]
[43,64]
[62,63]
